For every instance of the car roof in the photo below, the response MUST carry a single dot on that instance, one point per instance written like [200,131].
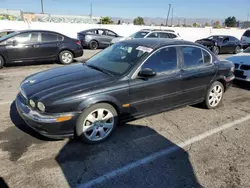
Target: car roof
[93,29]
[166,30]
[40,30]
[221,36]
[156,43]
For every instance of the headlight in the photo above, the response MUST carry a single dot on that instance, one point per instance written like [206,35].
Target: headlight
[32,103]
[41,106]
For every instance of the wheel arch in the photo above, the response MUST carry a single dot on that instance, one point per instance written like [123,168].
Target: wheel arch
[101,99]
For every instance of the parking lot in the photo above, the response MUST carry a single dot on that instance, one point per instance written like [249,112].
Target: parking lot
[186,147]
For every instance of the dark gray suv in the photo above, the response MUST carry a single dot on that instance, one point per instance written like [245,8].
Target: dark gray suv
[96,38]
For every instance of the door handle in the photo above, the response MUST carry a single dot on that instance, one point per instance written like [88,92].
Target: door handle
[36,46]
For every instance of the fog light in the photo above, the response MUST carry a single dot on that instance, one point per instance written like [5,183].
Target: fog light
[32,103]
[41,106]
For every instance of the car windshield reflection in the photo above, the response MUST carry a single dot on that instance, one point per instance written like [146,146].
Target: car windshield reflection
[119,58]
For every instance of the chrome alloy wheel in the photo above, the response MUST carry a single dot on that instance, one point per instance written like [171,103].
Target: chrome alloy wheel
[215,95]
[98,124]
[67,57]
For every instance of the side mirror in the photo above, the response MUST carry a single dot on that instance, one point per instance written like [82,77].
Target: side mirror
[147,73]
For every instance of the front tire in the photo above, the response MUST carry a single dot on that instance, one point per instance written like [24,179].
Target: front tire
[66,57]
[96,123]
[216,50]
[1,62]
[214,95]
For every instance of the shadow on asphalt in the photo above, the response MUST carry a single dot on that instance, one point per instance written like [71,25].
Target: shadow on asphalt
[241,85]
[3,184]
[81,163]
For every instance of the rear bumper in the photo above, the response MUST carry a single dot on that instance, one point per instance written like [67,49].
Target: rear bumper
[78,53]
[46,124]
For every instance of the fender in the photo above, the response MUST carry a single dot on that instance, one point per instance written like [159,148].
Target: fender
[99,99]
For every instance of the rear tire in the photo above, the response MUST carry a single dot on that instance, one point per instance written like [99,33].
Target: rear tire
[96,123]
[214,95]
[66,57]
[93,45]
[1,62]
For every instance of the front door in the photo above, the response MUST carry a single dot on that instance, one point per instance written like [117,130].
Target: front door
[161,91]
[23,47]
[197,72]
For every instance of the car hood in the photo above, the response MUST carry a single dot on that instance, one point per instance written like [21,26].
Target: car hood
[118,39]
[206,41]
[63,81]
[240,58]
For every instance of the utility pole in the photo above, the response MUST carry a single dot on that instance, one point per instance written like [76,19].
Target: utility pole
[172,16]
[91,10]
[247,17]
[42,6]
[168,14]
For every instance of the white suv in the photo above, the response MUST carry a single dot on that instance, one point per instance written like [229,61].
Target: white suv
[245,39]
[150,33]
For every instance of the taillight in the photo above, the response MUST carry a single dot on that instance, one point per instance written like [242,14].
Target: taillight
[78,42]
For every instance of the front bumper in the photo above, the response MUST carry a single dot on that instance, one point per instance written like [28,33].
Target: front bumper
[46,124]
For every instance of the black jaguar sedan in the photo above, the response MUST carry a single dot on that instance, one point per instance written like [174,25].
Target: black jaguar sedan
[127,80]
[38,45]
[222,44]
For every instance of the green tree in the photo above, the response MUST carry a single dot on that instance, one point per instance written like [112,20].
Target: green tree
[139,21]
[195,24]
[230,21]
[217,24]
[106,20]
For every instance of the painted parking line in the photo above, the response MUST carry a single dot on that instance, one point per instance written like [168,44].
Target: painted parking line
[7,102]
[162,153]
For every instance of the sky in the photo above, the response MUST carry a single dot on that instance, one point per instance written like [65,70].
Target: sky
[132,8]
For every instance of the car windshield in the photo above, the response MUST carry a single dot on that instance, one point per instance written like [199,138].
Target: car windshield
[139,34]
[118,58]
[9,35]
[247,50]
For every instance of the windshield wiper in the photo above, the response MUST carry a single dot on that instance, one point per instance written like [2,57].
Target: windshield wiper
[99,69]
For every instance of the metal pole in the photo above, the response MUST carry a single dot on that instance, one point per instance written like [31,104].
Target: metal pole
[91,10]
[172,16]
[42,5]
[168,14]
[247,16]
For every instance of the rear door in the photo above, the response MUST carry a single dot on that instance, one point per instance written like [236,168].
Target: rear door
[25,47]
[197,72]
[50,44]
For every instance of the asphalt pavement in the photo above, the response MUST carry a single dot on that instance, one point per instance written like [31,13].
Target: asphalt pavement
[186,147]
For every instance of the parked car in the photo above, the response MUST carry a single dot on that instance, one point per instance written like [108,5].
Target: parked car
[38,45]
[150,33]
[222,44]
[96,38]
[242,65]
[245,39]
[6,32]
[125,81]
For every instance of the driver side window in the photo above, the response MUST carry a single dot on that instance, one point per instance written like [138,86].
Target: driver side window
[162,61]
[25,38]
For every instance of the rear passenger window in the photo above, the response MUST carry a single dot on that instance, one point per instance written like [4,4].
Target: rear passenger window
[192,56]
[49,37]
[60,38]
[164,35]
[206,57]
[171,35]
[163,60]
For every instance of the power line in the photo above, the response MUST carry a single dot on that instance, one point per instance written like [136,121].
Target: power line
[168,14]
